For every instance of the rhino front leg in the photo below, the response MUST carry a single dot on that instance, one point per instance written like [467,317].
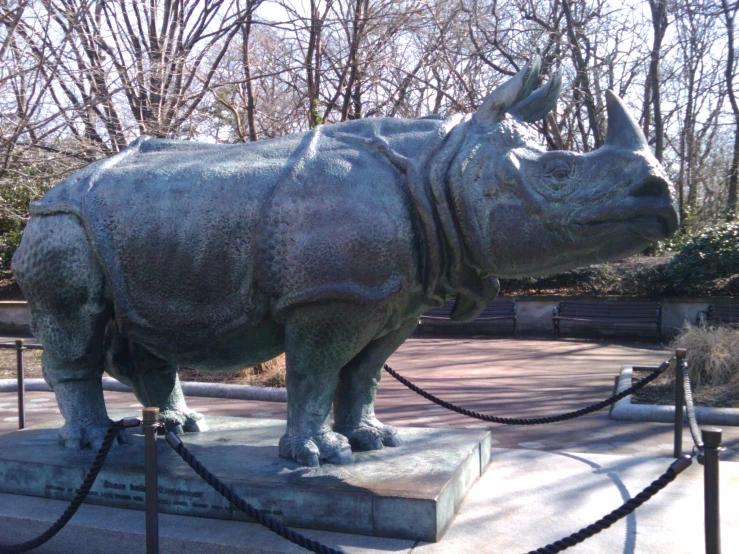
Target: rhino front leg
[319,341]
[354,405]
[162,389]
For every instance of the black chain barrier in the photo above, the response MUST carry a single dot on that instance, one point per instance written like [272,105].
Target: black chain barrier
[79,498]
[692,422]
[226,492]
[677,467]
[273,525]
[536,420]
[630,505]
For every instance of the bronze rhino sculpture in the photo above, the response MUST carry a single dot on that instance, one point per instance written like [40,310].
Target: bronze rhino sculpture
[325,245]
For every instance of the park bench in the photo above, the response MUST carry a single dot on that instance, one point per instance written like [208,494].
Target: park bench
[727,314]
[437,320]
[619,315]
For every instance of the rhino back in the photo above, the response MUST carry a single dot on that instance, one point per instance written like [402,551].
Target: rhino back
[199,241]
[173,225]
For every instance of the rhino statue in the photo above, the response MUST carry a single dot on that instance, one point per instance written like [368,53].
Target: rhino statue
[326,245]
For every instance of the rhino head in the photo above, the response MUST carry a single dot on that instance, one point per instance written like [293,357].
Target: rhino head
[524,211]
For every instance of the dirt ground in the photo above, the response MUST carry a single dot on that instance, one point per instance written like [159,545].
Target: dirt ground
[662,391]
[9,289]
[31,363]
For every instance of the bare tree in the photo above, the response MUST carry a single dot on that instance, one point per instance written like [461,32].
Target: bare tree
[729,13]
[658,9]
[80,78]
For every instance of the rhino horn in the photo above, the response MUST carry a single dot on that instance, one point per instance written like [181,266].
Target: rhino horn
[623,132]
[540,102]
[510,93]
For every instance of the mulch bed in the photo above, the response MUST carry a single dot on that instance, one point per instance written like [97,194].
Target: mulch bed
[9,290]
[662,391]
[266,375]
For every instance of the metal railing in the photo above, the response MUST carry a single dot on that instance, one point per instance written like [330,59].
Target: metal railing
[19,347]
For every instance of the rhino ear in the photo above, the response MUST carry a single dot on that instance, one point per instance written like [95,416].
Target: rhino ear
[540,102]
[509,94]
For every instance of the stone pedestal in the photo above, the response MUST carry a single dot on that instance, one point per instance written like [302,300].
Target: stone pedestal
[410,492]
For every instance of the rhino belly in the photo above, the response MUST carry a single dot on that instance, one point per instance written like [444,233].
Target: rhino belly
[240,348]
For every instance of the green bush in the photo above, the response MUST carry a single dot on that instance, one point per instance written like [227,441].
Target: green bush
[8,243]
[16,193]
[638,277]
[593,280]
[707,263]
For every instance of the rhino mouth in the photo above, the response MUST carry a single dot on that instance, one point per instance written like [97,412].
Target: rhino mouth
[646,224]
[647,210]
[653,221]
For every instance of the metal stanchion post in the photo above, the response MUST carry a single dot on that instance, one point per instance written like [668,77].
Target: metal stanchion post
[711,451]
[680,354]
[150,424]
[21,384]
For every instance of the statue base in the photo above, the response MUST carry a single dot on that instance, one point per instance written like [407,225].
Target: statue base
[411,492]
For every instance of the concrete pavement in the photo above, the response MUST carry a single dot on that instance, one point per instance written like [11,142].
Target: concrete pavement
[532,492]
[526,500]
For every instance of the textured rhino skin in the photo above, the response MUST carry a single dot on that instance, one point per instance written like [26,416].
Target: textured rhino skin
[326,245]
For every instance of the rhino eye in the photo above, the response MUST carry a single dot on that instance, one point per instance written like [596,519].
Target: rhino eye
[559,169]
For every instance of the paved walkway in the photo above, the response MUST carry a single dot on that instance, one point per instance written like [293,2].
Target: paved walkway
[547,480]
[503,377]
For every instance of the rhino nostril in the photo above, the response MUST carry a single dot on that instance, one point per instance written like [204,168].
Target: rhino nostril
[653,186]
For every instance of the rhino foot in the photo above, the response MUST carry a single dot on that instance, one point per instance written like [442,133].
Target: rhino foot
[181,421]
[326,446]
[77,436]
[371,435]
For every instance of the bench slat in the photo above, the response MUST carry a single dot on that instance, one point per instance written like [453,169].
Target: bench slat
[721,313]
[610,313]
[499,310]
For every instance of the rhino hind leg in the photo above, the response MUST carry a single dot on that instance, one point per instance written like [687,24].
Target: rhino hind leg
[354,404]
[154,381]
[319,341]
[64,285]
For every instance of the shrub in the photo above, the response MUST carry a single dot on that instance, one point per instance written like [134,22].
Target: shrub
[713,355]
[707,263]
[636,277]
[9,241]
[597,279]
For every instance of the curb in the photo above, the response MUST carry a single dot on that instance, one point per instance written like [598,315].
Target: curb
[190,388]
[626,411]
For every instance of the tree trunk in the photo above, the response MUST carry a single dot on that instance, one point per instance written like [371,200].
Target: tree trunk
[729,14]
[659,23]
[352,87]
[251,107]
[586,94]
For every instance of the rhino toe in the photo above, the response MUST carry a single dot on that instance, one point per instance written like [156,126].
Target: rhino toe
[180,421]
[325,446]
[77,436]
[195,423]
[372,436]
